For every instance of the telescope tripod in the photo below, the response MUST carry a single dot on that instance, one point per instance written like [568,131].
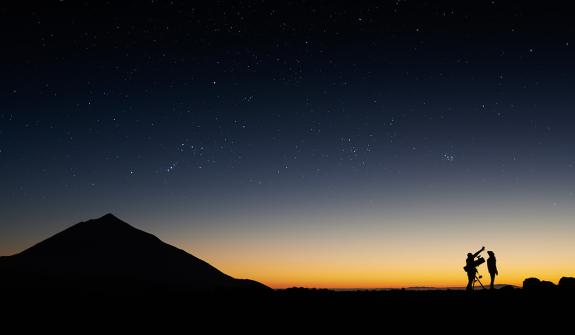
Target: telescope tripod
[477,277]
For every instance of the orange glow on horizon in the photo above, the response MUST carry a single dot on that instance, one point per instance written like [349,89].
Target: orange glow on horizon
[371,256]
[376,250]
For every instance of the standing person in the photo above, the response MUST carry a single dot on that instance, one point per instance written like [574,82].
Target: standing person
[470,268]
[492,267]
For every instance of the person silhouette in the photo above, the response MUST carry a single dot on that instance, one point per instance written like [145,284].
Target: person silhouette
[470,268]
[492,267]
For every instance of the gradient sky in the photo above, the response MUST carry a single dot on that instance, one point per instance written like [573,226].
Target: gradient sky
[301,143]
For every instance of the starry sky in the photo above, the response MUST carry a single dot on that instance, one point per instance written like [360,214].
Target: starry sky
[298,143]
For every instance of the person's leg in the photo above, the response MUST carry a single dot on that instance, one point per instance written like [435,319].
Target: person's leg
[470,278]
[492,279]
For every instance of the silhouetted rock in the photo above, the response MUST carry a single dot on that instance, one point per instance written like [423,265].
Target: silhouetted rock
[507,288]
[567,283]
[532,284]
[108,251]
[547,285]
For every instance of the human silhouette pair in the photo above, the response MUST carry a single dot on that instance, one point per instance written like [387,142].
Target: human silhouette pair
[471,265]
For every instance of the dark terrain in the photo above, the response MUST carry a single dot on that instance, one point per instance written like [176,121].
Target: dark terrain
[108,252]
[104,272]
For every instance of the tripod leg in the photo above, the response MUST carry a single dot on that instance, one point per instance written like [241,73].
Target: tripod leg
[480,283]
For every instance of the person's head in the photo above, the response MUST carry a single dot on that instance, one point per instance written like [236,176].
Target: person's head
[469,255]
[491,253]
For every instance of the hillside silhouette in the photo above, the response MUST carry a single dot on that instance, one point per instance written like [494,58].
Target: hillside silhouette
[108,274]
[108,253]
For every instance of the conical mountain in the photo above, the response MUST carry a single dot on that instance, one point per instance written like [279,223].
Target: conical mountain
[108,249]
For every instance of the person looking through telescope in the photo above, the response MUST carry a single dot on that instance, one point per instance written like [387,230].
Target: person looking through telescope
[471,267]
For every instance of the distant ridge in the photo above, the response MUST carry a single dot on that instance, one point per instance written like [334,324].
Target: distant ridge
[433,288]
[110,251]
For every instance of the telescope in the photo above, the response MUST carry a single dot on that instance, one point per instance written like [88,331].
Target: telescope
[476,263]
[480,260]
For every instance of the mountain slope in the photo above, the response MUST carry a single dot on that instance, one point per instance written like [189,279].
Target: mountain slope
[108,249]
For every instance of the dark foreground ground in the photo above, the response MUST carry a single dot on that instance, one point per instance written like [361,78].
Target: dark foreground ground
[292,310]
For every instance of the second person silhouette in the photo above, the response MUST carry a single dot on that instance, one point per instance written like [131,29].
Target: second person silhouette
[492,267]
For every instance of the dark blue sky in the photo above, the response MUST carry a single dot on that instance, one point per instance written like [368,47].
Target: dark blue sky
[191,117]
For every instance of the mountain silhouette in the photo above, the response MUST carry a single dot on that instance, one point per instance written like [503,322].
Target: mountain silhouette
[110,251]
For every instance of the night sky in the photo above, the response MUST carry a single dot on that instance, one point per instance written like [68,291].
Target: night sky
[298,143]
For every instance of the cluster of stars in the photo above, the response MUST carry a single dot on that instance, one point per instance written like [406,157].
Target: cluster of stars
[448,157]
[344,87]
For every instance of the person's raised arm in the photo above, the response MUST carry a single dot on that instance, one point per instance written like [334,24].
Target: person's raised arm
[477,253]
